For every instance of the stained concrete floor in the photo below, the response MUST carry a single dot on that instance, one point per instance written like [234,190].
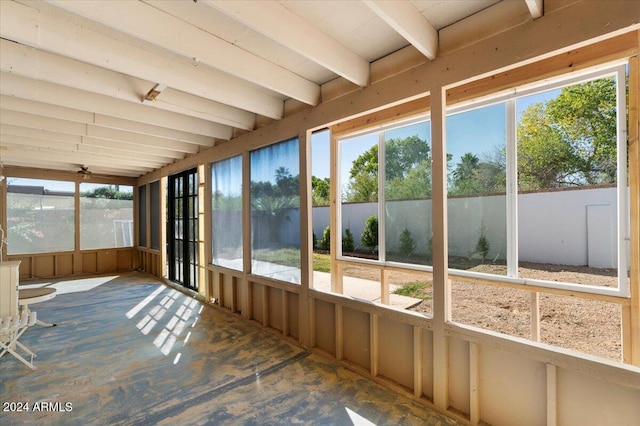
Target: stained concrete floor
[129,350]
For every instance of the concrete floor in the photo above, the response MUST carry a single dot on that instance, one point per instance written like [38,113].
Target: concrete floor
[129,350]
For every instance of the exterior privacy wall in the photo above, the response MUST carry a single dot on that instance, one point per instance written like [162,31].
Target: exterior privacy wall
[554,227]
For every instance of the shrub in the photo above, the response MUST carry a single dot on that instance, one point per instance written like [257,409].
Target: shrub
[407,243]
[347,242]
[325,241]
[369,237]
[482,246]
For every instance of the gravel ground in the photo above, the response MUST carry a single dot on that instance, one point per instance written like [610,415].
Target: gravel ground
[592,327]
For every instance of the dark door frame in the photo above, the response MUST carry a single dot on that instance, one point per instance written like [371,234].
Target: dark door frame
[182,229]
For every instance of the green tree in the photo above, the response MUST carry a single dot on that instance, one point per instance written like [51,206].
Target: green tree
[473,176]
[482,245]
[407,243]
[325,241]
[407,169]
[363,177]
[369,237]
[320,189]
[111,192]
[570,140]
[348,244]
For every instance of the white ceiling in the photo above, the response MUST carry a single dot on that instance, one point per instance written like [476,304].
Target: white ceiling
[74,74]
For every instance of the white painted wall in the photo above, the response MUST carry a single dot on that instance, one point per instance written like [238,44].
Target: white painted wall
[553,226]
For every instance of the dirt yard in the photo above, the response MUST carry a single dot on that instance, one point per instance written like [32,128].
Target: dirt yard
[588,326]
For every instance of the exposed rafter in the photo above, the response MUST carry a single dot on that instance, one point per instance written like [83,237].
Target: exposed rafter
[407,21]
[277,22]
[174,34]
[55,94]
[535,7]
[69,38]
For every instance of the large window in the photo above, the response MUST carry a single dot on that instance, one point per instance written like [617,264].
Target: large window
[106,216]
[40,216]
[142,215]
[537,186]
[275,211]
[385,180]
[226,217]
[154,216]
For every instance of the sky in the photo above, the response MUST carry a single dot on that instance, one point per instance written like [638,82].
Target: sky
[478,131]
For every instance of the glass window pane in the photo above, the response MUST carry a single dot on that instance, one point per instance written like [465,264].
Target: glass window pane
[275,211]
[476,203]
[567,175]
[407,153]
[40,216]
[226,217]
[142,215]
[106,216]
[359,192]
[154,207]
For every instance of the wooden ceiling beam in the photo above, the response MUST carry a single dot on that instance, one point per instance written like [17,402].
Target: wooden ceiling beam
[55,111]
[535,8]
[69,97]
[68,35]
[407,21]
[275,21]
[165,30]
[63,126]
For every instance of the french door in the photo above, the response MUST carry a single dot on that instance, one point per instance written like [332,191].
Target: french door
[183,228]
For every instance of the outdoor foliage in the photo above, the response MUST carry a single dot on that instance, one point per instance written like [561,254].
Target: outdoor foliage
[369,237]
[320,189]
[474,176]
[482,246]
[347,242]
[407,243]
[325,241]
[407,168]
[272,198]
[570,140]
[111,192]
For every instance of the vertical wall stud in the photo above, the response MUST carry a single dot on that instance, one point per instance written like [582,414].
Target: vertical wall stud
[474,382]
[441,284]
[339,332]
[306,239]
[535,316]
[417,361]
[373,339]
[551,395]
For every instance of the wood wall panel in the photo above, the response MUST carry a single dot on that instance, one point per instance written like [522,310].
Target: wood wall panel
[395,363]
[325,326]
[44,266]
[357,341]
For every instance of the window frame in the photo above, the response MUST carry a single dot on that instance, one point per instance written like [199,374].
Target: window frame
[617,69]
[381,208]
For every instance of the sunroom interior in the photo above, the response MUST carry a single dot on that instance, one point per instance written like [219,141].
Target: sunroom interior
[427,193]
